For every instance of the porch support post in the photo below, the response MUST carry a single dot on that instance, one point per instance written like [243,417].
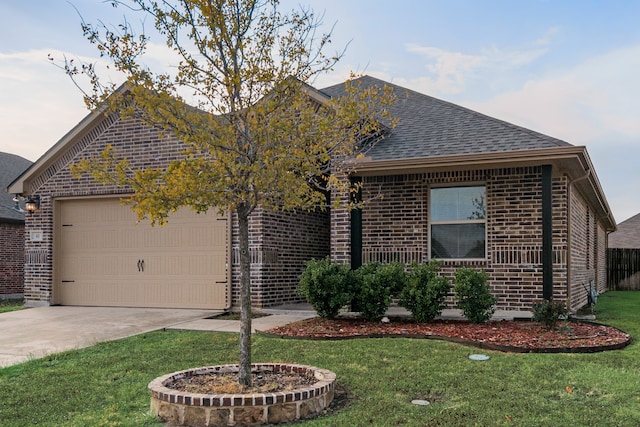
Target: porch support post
[356,223]
[547,233]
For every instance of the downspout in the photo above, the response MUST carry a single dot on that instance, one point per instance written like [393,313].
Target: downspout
[606,261]
[569,273]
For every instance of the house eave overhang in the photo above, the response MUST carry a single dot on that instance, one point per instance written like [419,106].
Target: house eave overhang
[572,161]
[11,221]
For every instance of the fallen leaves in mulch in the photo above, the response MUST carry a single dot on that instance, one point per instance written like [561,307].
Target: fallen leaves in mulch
[505,335]
[227,383]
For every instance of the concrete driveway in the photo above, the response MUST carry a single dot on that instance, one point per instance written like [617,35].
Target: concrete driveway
[37,332]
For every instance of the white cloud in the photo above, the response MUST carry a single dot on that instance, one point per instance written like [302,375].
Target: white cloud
[554,106]
[496,58]
[547,37]
[447,68]
[591,102]
[450,72]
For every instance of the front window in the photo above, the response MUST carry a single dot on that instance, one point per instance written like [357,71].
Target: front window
[458,222]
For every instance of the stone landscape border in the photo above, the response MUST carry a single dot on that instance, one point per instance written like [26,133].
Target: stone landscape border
[194,409]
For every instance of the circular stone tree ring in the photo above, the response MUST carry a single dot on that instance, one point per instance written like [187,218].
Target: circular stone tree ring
[194,409]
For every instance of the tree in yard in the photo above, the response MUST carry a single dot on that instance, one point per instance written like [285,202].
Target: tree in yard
[257,135]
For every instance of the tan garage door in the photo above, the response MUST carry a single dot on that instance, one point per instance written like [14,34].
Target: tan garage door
[104,259]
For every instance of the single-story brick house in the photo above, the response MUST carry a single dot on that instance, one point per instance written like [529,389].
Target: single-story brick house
[447,183]
[11,228]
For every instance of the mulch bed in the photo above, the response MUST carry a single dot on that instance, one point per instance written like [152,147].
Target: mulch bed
[507,335]
[227,383]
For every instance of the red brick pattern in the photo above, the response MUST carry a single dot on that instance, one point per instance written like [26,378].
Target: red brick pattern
[394,219]
[280,243]
[395,227]
[12,259]
[340,228]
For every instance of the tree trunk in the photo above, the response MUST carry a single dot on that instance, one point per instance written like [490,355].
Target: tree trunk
[245,297]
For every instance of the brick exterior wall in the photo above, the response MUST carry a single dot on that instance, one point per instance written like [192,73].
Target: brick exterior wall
[340,218]
[602,259]
[279,243]
[11,259]
[588,251]
[395,227]
[385,237]
[38,264]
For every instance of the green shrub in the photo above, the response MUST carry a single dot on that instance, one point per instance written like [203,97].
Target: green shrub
[473,294]
[327,286]
[375,285]
[549,313]
[371,298]
[425,291]
[394,276]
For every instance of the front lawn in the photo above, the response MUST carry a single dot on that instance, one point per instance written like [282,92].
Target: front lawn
[107,384]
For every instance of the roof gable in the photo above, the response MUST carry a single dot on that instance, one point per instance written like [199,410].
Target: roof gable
[430,127]
[431,134]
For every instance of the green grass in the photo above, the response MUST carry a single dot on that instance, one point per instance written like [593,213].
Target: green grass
[7,305]
[106,385]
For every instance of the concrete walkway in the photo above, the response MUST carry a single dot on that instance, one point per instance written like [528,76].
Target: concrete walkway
[290,313]
[37,332]
[278,316]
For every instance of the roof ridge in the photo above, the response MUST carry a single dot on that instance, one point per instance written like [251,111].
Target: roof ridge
[556,141]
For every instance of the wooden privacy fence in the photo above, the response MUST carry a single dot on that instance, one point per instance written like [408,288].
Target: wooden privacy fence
[623,269]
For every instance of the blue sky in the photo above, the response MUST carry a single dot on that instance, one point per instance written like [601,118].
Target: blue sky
[566,68]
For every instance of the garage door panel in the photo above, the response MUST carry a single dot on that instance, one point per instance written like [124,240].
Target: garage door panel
[119,294]
[107,258]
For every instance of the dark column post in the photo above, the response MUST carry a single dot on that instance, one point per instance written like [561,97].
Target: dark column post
[547,232]
[356,224]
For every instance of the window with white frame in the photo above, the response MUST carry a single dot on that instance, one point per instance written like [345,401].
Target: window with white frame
[458,222]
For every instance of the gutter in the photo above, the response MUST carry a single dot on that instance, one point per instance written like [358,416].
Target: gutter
[367,165]
[573,160]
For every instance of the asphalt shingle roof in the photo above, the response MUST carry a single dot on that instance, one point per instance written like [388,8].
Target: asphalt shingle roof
[627,235]
[431,127]
[11,166]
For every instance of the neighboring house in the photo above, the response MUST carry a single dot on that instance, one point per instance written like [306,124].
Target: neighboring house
[624,255]
[627,236]
[447,183]
[11,229]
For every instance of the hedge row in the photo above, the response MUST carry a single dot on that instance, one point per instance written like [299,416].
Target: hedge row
[329,286]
